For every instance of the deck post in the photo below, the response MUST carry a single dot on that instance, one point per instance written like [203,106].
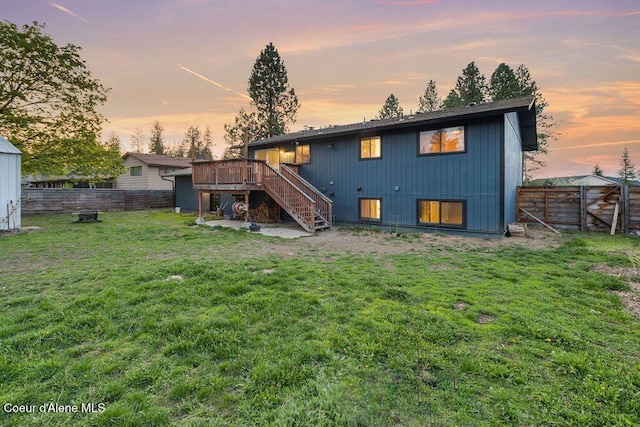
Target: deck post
[200,219]
[246,202]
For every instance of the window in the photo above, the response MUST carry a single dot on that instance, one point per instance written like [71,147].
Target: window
[441,212]
[164,171]
[370,148]
[302,154]
[448,140]
[370,210]
[136,170]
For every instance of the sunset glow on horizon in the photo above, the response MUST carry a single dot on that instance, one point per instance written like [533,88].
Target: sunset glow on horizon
[187,62]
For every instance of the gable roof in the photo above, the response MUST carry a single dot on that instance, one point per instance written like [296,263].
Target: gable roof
[6,147]
[159,160]
[524,106]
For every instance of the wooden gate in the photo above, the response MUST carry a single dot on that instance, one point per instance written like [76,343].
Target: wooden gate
[594,208]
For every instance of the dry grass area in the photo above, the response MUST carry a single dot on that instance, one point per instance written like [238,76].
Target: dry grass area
[371,243]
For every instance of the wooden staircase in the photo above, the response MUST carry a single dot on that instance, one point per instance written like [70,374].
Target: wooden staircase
[302,201]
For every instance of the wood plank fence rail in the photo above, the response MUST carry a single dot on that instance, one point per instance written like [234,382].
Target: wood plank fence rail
[37,201]
[591,208]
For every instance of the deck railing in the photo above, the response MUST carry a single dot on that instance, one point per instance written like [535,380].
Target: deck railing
[217,172]
[324,205]
[297,204]
[295,195]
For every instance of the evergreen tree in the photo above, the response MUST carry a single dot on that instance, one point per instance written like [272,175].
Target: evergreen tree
[430,100]
[597,171]
[507,83]
[391,108]
[276,104]
[546,127]
[503,84]
[192,141]
[207,144]
[471,88]
[197,145]
[627,172]
[453,100]
[156,141]
[137,140]
[245,124]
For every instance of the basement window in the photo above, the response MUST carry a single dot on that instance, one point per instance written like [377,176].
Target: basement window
[136,171]
[370,147]
[441,212]
[369,210]
[447,140]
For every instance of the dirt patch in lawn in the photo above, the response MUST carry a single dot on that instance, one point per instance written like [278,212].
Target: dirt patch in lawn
[340,241]
[630,299]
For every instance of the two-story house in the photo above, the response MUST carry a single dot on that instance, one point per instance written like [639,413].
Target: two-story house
[455,169]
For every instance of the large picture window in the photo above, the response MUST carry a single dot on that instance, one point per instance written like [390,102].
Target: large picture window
[441,212]
[370,210]
[447,140]
[370,147]
[303,155]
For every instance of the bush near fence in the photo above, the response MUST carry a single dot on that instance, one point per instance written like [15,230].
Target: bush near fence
[68,200]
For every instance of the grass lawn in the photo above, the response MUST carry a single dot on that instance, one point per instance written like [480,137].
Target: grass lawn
[169,324]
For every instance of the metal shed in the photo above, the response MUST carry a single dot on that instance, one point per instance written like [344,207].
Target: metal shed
[10,174]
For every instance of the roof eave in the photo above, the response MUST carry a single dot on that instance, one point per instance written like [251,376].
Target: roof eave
[527,126]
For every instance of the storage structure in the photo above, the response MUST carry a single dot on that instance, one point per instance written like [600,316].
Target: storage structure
[10,174]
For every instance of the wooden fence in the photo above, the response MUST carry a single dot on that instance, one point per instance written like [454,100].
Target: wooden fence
[67,200]
[594,208]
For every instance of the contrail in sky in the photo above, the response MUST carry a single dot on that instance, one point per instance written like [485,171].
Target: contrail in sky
[601,144]
[206,79]
[69,12]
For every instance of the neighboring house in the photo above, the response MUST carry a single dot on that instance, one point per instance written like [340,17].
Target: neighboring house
[146,171]
[455,169]
[10,171]
[589,180]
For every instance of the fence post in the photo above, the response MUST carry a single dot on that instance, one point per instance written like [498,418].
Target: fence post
[583,208]
[626,214]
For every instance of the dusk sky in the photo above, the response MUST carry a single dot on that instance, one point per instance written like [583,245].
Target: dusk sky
[187,62]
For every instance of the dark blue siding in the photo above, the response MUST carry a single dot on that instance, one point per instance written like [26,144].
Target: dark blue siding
[186,195]
[475,176]
[512,165]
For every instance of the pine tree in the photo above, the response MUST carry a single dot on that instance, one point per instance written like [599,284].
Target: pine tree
[597,171]
[430,100]
[506,83]
[137,140]
[275,102]
[156,142]
[453,100]
[627,172]
[471,88]
[192,142]
[245,124]
[391,108]
[207,144]
[503,84]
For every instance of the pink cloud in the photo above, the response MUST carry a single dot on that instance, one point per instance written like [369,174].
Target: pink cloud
[407,2]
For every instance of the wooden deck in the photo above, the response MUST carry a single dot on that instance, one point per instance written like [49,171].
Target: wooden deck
[303,202]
